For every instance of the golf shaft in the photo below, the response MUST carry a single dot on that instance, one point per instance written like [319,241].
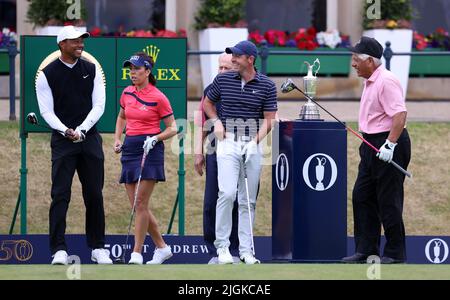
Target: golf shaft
[144,156]
[357,134]
[248,203]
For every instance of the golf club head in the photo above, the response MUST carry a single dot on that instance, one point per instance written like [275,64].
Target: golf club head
[287,86]
[119,261]
[31,118]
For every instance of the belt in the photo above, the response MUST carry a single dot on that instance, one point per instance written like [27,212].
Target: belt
[384,134]
[238,138]
[375,135]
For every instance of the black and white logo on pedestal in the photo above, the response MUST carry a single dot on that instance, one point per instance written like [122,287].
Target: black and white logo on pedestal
[436,251]
[282,172]
[320,172]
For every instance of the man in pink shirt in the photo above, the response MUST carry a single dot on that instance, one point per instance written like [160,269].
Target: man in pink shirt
[378,190]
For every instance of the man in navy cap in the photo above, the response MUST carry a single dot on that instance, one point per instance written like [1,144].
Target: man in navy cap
[378,190]
[248,106]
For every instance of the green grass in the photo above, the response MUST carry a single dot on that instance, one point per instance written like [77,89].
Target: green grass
[426,208]
[235,272]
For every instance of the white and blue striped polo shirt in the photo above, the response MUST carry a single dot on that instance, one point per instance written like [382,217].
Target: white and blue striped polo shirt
[242,104]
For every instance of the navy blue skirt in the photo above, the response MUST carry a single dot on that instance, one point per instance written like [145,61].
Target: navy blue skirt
[132,152]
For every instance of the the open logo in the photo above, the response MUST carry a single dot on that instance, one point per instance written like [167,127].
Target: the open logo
[323,164]
[282,172]
[436,251]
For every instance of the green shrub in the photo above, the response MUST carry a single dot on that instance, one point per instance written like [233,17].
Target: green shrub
[53,12]
[394,14]
[220,13]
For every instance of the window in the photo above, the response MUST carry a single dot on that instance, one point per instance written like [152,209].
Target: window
[8,14]
[287,15]
[112,15]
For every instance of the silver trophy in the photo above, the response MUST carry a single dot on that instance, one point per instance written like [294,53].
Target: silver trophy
[320,170]
[309,110]
[437,252]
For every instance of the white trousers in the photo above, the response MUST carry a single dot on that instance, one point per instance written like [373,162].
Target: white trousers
[231,181]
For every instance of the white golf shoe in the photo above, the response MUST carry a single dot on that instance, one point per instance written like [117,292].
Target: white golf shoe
[101,257]
[249,259]
[224,256]
[136,259]
[215,260]
[60,258]
[160,255]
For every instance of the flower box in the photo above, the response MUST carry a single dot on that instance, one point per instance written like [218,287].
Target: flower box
[4,63]
[283,65]
[429,66]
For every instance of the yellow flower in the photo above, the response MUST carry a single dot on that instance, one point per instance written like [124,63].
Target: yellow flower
[391,24]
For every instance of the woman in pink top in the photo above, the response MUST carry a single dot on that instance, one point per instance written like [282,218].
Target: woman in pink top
[142,107]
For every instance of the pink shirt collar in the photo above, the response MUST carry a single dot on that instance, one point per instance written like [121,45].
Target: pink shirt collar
[144,91]
[376,73]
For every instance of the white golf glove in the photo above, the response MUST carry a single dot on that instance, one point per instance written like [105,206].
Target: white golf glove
[249,149]
[387,151]
[149,143]
[81,134]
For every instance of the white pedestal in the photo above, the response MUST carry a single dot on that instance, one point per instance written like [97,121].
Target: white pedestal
[217,39]
[401,41]
[54,30]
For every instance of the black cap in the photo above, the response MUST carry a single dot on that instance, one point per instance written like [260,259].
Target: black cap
[369,46]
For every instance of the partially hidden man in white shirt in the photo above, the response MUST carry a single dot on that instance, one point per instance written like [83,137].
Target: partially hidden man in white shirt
[71,98]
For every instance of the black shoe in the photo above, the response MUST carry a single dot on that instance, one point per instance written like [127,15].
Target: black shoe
[389,260]
[357,258]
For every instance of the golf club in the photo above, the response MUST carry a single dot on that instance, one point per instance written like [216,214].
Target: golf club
[289,86]
[32,119]
[244,169]
[121,260]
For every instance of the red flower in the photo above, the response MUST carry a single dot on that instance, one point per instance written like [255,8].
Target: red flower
[276,37]
[312,31]
[143,33]
[306,39]
[270,36]
[255,37]
[311,45]
[301,45]
[96,31]
[419,41]
[441,31]
[182,32]
[166,33]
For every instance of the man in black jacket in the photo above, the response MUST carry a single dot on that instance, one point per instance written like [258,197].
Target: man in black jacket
[71,98]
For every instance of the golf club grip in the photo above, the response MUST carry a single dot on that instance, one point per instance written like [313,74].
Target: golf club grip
[244,167]
[144,156]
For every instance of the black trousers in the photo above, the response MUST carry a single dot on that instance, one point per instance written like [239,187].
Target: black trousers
[88,160]
[378,198]
[209,210]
